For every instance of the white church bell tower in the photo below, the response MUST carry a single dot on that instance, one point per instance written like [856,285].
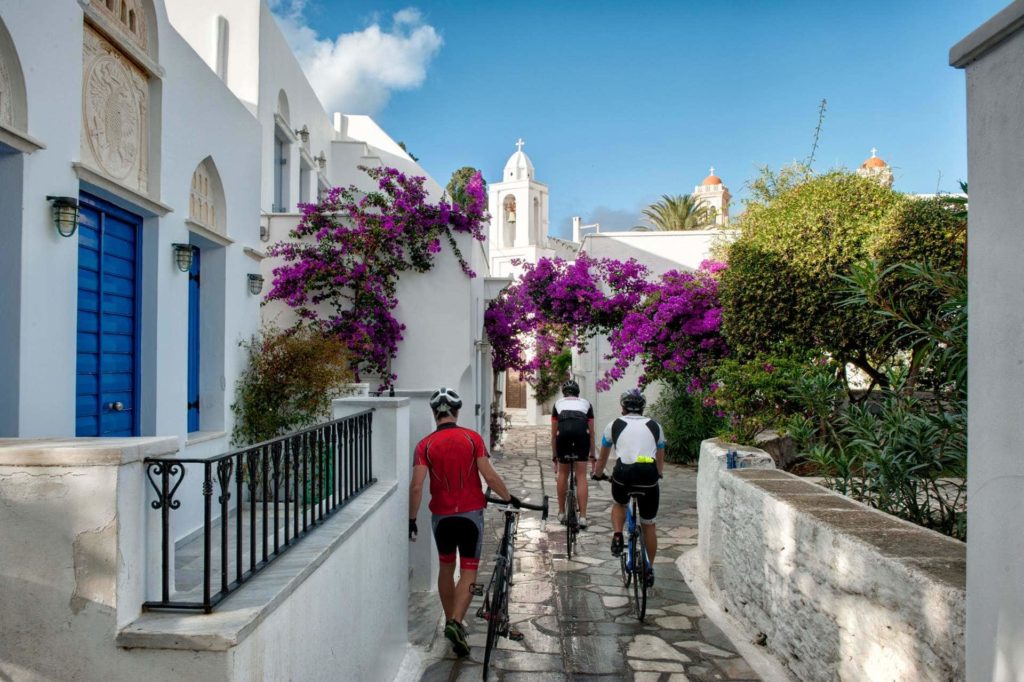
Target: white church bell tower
[519,215]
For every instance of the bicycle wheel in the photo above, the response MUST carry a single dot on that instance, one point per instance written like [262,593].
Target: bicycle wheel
[495,614]
[571,522]
[640,576]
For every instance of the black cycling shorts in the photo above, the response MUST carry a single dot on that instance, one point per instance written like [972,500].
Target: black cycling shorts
[641,478]
[463,532]
[572,442]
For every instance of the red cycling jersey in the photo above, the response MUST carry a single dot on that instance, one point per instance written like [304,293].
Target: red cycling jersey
[450,455]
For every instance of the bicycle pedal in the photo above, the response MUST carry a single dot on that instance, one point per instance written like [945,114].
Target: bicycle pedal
[480,613]
[476,589]
[513,634]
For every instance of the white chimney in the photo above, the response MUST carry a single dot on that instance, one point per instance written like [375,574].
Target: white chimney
[576,221]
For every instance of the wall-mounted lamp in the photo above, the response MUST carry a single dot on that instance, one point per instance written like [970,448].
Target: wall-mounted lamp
[65,214]
[322,162]
[183,256]
[255,283]
[303,135]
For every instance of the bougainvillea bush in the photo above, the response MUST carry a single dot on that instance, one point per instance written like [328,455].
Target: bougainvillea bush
[342,272]
[669,325]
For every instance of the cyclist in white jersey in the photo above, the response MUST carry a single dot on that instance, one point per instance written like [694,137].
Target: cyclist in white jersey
[639,444]
[572,444]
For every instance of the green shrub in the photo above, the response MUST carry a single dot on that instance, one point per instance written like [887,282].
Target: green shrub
[687,421]
[759,393]
[903,450]
[781,288]
[289,383]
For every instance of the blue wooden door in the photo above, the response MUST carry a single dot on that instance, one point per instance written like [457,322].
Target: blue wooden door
[109,241]
[193,343]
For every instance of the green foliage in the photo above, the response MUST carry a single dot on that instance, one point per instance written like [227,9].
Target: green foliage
[289,383]
[687,420]
[769,184]
[903,451]
[781,287]
[551,376]
[456,187]
[758,393]
[679,212]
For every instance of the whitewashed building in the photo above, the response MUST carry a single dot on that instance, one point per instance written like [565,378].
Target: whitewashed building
[518,205]
[187,135]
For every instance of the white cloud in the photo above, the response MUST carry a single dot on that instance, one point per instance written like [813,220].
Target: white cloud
[356,72]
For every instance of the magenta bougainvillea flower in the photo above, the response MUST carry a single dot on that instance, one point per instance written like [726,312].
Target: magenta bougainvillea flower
[341,272]
[670,325]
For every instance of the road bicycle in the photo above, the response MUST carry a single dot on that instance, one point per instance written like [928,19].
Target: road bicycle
[494,609]
[572,511]
[634,563]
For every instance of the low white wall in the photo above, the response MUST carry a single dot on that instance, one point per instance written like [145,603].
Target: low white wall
[841,591]
[73,547]
[80,543]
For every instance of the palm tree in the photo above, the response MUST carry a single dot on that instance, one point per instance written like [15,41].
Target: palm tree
[680,212]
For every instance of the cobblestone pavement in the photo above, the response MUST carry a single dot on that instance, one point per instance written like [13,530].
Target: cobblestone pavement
[575,614]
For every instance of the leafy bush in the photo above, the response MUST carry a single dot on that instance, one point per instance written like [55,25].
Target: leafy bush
[904,451]
[781,286]
[551,375]
[688,418]
[289,383]
[758,393]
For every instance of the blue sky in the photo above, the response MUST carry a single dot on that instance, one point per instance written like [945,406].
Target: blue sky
[621,102]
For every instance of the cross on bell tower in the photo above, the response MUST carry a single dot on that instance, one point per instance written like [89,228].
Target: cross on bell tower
[519,144]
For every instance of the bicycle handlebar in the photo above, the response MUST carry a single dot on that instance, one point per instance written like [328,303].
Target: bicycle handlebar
[542,508]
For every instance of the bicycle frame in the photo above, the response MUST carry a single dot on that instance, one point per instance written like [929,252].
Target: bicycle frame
[636,574]
[495,605]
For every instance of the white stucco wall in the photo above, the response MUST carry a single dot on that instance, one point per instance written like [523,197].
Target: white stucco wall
[993,57]
[194,117]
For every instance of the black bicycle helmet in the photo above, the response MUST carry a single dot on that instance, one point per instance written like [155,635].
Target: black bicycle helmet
[445,401]
[570,387]
[633,401]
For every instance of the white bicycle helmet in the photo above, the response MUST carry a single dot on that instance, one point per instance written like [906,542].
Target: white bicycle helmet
[633,401]
[445,401]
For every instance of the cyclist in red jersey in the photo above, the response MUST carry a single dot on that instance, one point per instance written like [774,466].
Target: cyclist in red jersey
[455,458]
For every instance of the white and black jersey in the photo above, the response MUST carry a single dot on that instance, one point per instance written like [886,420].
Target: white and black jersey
[633,436]
[573,416]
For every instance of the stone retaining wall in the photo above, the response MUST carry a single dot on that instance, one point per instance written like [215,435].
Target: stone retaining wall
[841,591]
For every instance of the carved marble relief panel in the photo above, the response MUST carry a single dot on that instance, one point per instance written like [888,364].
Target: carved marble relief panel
[115,118]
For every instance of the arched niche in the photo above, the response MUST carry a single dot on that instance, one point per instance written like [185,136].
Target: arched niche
[535,226]
[282,107]
[508,218]
[135,21]
[207,207]
[13,102]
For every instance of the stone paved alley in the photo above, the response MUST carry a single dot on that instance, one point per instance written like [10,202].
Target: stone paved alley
[574,614]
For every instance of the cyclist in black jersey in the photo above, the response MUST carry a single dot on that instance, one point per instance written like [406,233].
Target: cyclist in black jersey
[572,444]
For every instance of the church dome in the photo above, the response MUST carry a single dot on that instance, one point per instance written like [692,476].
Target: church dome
[711,179]
[519,166]
[873,161]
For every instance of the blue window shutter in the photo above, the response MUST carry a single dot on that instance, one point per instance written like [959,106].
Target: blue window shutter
[193,342]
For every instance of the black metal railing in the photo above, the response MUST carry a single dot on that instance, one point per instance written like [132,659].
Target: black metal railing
[269,496]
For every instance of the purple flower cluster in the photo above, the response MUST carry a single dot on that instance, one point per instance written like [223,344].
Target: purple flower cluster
[676,331]
[672,326]
[342,271]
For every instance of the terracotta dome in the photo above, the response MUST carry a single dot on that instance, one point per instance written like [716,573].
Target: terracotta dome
[873,161]
[711,179]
